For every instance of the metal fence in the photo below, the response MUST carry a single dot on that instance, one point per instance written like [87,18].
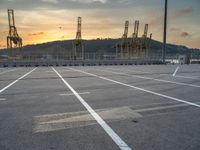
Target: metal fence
[91,58]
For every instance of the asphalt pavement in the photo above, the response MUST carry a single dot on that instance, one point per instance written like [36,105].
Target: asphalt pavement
[141,107]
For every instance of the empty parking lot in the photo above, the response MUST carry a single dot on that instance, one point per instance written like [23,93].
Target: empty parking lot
[148,107]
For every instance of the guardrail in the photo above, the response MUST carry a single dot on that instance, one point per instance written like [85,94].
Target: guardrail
[76,62]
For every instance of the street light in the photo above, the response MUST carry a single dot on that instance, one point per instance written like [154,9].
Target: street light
[165,33]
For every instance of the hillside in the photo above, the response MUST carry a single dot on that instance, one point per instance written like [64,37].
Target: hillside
[100,45]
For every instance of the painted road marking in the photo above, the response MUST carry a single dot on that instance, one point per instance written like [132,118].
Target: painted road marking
[175,71]
[186,77]
[70,94]
[160,107]
[141,89]
[60,121]
[16,80]
[8,71]
[2,99]
[49,71]
[195,78]
[148,78]
[136,71]
[122,145]
[59,71]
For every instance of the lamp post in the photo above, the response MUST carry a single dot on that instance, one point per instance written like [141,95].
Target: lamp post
[164,33]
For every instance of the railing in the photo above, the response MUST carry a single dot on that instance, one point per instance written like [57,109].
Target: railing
[58,57]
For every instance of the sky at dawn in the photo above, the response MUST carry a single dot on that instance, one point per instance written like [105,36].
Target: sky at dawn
[40,21]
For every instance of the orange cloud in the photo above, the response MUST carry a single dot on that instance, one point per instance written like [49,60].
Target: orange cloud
[4,32]
[174,29]
[185,34]
[3,46]
[36,34]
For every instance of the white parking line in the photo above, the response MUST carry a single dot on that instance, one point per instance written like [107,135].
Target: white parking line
[186,77]
[16,80]
[175,71]
[2,99]
[70,94]
[141,89]
[8,71]
[148,78]
[178,76]
[122,145]
[136,71]
[59,71]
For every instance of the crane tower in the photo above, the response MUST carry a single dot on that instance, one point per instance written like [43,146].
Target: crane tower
[13,39]
[78,48]
[134,41]
[134,47]
[144,43]
[122,48]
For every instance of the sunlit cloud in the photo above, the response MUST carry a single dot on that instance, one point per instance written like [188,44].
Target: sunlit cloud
[89,1]
[36,34]
[50,1]
[185,34]
[50,20]
[174,29]
[11,0]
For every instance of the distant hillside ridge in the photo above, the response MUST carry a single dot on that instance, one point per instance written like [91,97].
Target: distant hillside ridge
[102,46]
